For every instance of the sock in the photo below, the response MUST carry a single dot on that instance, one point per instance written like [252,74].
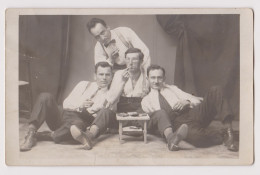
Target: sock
[94,130]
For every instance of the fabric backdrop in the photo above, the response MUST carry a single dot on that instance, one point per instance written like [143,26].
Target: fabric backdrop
[207,53]
[43,53]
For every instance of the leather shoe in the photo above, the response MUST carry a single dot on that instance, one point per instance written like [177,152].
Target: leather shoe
[84,138]
[177,137]
[30,141]
[229,140]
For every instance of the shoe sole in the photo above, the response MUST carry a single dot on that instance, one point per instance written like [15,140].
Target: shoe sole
[182,132]
[81,137]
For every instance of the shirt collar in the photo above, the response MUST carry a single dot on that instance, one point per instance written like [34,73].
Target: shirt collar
[162,89]
[100,89]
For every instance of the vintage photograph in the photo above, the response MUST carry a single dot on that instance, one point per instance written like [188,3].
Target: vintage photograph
[129,87]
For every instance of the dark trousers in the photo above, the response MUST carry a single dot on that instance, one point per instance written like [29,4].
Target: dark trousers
[47,110]
[105,118]
[199,118]
[159,120]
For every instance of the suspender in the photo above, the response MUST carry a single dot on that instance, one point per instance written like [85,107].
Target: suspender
[122,38]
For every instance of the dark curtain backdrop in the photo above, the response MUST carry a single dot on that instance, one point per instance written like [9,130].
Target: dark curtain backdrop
[43,53]
[207,53]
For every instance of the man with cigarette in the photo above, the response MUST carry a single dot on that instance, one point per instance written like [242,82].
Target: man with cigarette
[112,44]
[184,108]
[80,108]
[127,90]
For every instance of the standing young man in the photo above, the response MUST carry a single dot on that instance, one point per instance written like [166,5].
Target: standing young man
[113,43]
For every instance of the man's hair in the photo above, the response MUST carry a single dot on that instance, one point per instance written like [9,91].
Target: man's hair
[155,67]
[102,64]
[92,23]
[135,50]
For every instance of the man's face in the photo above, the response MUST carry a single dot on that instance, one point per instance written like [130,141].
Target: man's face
[101,33]
[156,79]
[133,62]
[103,76]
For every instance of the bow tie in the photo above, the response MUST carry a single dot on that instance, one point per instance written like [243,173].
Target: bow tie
[110,42]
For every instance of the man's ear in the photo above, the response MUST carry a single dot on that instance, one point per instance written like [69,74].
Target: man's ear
[108,27]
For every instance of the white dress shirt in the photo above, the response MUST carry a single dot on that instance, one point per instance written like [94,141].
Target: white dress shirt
[86,90]
[120,88]
[172,94]
[130,37]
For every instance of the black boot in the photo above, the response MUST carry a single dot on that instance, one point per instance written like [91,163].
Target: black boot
[229,140]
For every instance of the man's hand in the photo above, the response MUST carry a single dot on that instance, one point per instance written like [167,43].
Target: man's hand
[87,104]
[181,106]
[125,75]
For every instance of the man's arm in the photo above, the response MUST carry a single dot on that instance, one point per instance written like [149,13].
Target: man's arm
[100,55]
[146,105]
[73,101]
[117,86]
[191,99]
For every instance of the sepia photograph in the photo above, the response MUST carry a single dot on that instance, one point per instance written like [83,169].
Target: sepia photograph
[129,87]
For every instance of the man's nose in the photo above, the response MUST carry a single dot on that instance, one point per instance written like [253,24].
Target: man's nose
[104,77]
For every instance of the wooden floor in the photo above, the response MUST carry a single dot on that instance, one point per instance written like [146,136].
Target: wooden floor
[108,147]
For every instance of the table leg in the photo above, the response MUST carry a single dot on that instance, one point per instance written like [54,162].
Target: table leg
[145,131]
[120,131]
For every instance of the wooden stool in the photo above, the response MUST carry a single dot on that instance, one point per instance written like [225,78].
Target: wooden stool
[140,117]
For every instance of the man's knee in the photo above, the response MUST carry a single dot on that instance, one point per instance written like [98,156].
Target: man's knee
[160,114]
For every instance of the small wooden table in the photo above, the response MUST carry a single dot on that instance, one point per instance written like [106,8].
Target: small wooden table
[140,117]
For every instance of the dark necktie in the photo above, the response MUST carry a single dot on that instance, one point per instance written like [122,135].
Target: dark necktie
[164,104]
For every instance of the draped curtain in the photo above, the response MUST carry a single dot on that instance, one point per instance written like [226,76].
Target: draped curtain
[44,46]
[207,53]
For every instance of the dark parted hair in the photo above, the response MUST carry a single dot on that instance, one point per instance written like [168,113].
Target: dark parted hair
[135,50]
[155,67]
[92,23]
[102,64]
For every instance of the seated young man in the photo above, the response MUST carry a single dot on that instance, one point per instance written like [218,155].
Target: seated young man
[79,108]
[127,90]
[196,112]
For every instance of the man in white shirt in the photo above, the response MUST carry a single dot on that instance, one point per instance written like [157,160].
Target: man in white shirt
[127,90]
[84,103]
[196,112]
[112,44]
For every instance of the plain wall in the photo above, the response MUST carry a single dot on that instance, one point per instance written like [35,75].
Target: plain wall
[81,44]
